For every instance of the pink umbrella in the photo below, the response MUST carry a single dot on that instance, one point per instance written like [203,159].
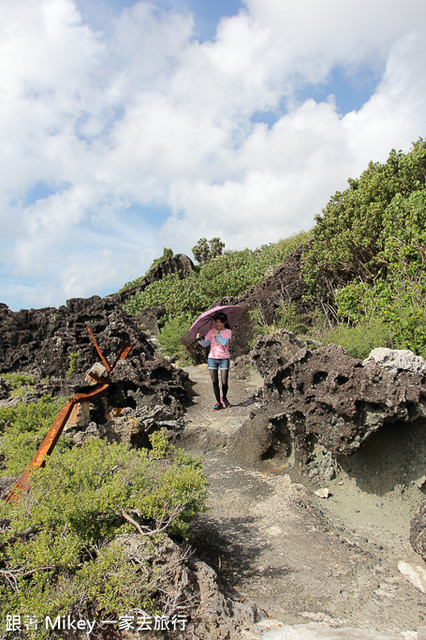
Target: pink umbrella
[205,321]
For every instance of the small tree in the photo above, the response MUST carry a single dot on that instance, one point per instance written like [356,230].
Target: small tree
[201,251]
[216,247]
[204,251]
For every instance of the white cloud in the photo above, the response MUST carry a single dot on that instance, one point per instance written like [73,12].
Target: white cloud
[395,114]
[311,35]
[142,114]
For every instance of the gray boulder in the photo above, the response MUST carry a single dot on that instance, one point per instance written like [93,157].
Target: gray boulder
[397,360]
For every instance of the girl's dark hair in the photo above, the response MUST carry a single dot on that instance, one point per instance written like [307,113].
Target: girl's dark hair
[223,318]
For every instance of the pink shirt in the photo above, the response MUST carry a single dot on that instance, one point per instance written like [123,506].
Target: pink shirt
[218,350]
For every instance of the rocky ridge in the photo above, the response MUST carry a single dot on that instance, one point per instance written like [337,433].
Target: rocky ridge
[321,406]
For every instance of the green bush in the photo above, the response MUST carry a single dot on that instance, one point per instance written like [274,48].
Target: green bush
[175,295]
[23,428]
[61,545]
[286,318]
[398,294]
[73,358]
[358,340]
[19,380]
[21,383]
[204,251]
[349,236]
[365,262]
[172,331]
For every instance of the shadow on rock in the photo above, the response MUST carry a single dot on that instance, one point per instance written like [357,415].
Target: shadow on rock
[393,456]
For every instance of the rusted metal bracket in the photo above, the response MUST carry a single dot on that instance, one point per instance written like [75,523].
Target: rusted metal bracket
[52,436]
[104,360]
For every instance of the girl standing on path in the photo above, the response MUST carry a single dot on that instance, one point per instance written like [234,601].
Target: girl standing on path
[218,338]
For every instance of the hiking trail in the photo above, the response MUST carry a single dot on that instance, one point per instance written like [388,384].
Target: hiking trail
[300,558]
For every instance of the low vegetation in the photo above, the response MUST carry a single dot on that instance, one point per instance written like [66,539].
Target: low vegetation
[64,545]
[22,430]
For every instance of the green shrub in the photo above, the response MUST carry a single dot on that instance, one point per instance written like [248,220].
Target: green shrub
[23,428]
[18,380]
[21,383]
[351,233]
[172,331]
[398,294]
[167,253]
[358,340]
[285,318]
[60,548]
[204,251]
[365,262]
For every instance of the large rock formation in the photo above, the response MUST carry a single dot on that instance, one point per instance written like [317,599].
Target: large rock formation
[275,350]
[332,397]
[43,340]
[56,342]
[146,392]
[179,264]
[322,406]
[281,288]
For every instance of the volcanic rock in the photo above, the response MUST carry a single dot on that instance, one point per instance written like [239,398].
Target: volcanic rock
[259,438]
[55,343]
[330,397]
[275,350]
[282,288]
[179,264]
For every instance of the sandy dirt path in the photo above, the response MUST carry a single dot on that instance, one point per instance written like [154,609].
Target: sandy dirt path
[298,557]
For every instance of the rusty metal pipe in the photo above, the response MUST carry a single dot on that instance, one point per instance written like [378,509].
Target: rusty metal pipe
[51,439]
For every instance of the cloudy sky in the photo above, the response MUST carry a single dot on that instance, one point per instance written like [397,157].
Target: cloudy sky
[127,127]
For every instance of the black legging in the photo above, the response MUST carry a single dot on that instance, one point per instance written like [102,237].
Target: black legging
[215,380]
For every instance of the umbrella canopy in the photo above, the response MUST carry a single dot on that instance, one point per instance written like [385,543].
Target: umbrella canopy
[205,321]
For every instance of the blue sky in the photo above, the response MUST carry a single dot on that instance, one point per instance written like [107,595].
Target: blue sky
[130,126]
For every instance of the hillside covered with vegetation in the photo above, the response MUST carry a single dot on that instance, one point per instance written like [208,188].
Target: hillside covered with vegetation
[363,261]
